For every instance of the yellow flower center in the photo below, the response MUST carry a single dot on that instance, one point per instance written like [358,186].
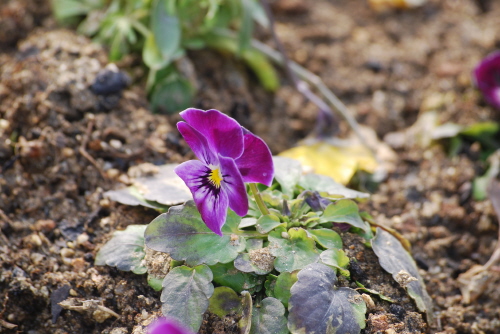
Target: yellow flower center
[215,177]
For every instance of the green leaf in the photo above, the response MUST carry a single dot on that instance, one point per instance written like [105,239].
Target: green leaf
[259,64]
[172,95]
[64,9]
[227,275]
[398,262]
[270,284]
[481,130]
[185,294]
[182,233]
[295,252]
[166,29]
[224,301]
[247,222]
[253,244]
[318,306]
[258,13]
[283,285]
[155,283]
[151,55]
[267,223]
[344,211]
[287,173]
[373,292]
[326,238]
[245,322]
[125,250]
[322,183]
[245,264]
[336,258]
[269,317]
[246,27]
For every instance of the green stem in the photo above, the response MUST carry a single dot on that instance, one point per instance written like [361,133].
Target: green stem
[258,199]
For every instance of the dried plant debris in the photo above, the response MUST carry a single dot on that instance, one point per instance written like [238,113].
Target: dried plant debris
[397,261]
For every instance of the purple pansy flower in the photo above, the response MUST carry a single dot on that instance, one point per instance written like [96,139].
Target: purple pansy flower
[167,326]
[487,78]
[229,155]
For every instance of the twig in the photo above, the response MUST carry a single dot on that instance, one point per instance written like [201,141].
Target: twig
[83,151]
[6,219]
[494,196]
[315,81]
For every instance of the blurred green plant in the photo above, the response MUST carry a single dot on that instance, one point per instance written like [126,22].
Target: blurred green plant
[163,30]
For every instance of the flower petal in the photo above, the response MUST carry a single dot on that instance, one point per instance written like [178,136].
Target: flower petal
[223,133]
[212,202]
[234,186]
[256,162]
[487,78]
[167,326]
[198,143]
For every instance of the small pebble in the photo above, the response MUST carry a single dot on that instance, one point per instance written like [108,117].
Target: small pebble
[112,173]
[82,238]
[67,152]
[34,240]
[67,252]
[115,143]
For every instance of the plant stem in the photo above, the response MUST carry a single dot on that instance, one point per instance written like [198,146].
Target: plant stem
[258,199]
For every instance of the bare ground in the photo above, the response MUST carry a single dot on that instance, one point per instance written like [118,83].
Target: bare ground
[61,148]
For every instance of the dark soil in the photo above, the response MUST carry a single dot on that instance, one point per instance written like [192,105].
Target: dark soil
[62,146]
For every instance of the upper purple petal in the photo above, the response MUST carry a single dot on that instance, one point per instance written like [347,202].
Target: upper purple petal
[256,162]
[222,132]
[487,78]
[198,143]
[167,326]
[234,186]
[212,202]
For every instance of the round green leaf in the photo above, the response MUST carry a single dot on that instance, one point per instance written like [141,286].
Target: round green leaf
[227,275]
[245,264]
[316,305]
[267,223]
[295,252]
[171,95]
[125,250]
[344,211]
[269,318]
[326,238]
[224,301]
[336,258]
[182,233]
[283,285]
[185,294]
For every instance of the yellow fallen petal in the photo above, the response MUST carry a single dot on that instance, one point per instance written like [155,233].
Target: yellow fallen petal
[338,162]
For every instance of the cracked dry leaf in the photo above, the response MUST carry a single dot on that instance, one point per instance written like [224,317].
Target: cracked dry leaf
[384,5]
[341,159]
[93,307]
[473,282]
